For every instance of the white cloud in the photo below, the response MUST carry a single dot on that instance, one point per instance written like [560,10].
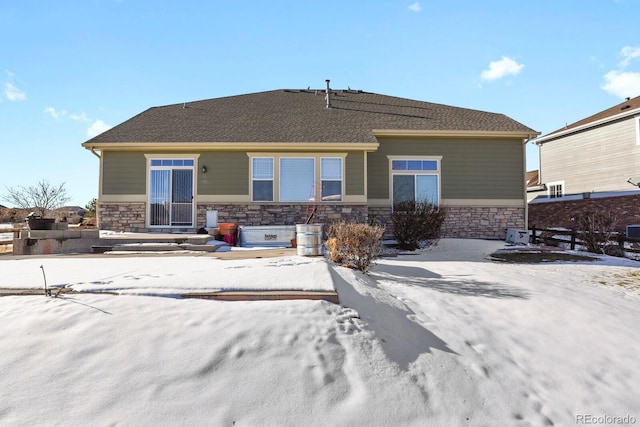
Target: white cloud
[10,90]
[12,93]
[415,7]
[502,68]
[97,127]
[55,113]
[622,83]
[629,53]
[82,117]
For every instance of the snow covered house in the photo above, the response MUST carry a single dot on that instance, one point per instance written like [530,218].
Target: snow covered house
[271,158]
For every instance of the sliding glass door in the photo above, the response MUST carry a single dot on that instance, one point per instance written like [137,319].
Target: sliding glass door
[171,192]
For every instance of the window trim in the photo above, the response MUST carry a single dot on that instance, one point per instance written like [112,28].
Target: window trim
[556,184]
[437,173]
[150,168]
[317,183]
[637,119]
[273,179]
[341,180]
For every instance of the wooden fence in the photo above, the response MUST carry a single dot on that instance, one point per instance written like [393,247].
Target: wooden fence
[549,236]
[15,231]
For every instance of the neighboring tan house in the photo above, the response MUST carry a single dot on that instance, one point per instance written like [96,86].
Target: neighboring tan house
[271,158]
[532,182]
[598,154]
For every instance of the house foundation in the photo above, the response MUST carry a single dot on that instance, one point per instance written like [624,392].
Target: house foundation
[461,222]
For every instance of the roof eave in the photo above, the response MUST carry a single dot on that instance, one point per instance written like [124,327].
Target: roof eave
[564,132]
[455,133]
[235,146]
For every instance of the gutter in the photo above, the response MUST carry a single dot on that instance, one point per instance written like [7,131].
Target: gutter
[233,146]
[453,133]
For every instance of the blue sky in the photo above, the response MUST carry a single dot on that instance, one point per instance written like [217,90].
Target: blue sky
[72,69]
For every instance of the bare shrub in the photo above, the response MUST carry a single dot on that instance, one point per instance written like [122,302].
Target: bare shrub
[354,245]
[417,223]
[13,215]
[41,198]
[595,230]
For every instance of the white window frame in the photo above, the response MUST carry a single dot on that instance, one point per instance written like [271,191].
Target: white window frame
[437,172]
[273,174]
[315,190]
[637,119]
[151,168]
[341,179]
[555,184]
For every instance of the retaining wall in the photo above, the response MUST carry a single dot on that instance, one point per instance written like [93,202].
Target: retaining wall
[560,213]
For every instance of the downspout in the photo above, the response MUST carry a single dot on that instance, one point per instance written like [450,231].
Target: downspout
[93,151]
[526,197]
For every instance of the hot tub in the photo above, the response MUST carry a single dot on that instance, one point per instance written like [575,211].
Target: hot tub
[266,235]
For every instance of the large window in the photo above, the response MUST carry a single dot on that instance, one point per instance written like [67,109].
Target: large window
[297,179]
[289,178]
[415,180]
[262,179]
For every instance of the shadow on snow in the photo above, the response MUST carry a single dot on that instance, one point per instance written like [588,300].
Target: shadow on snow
[403,339]
[458,285]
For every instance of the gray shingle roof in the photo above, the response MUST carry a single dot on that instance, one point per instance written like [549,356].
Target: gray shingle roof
[299,116]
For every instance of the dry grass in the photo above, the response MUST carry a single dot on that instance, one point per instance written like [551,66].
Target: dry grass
[629,280]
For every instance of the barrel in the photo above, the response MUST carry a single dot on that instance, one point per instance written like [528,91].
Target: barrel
[309,239]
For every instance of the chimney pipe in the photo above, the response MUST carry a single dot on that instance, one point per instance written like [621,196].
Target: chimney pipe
[328,94]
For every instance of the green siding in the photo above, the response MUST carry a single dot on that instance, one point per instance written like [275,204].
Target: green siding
[123,173]
[227,173]
[354,174]
[470,169]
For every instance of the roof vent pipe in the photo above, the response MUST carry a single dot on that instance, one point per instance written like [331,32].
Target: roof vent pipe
[328,94]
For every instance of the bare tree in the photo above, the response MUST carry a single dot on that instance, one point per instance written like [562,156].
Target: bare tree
[41,198]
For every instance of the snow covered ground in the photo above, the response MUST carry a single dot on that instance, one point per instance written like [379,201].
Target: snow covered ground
[444,337]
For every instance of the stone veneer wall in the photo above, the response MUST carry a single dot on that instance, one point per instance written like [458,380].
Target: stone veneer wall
[122,216]
[381,215]
[254,214]
[482,222]
[465,222]
[560,213]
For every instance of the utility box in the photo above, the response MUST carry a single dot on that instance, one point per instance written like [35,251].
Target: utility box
[633,231]
[517,237]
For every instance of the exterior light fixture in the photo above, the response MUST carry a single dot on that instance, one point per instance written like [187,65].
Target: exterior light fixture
[204,169]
